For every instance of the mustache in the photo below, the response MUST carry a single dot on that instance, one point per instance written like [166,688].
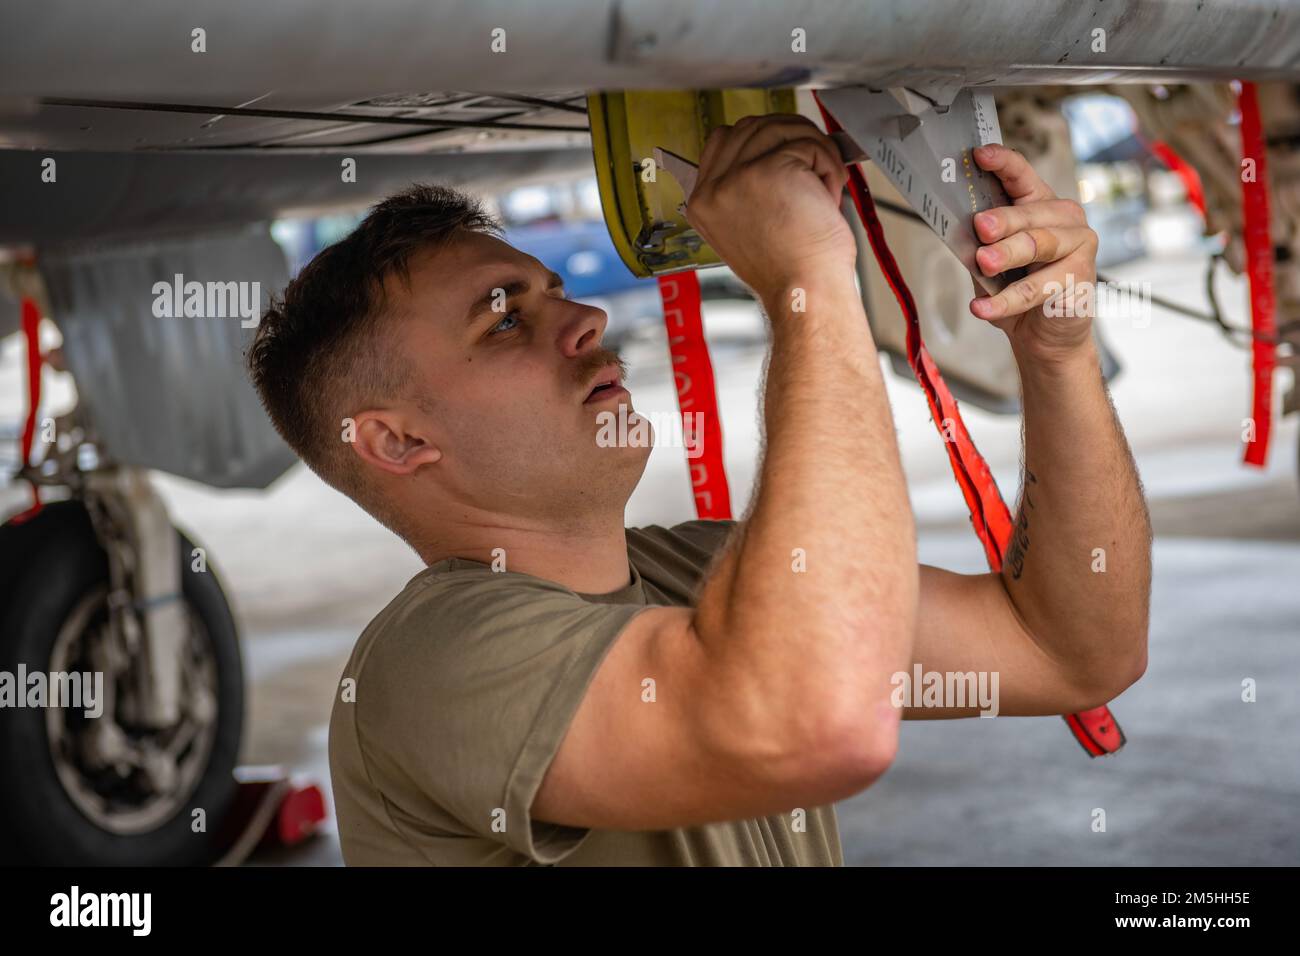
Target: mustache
[597,360]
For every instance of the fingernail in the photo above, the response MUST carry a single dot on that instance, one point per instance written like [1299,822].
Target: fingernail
[985,219]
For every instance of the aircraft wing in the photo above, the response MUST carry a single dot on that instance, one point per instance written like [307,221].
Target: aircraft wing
[309,53]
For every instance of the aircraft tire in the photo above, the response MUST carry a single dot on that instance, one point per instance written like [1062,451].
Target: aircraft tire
[57,810]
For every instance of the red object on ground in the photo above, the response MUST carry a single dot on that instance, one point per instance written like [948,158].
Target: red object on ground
[1259,267]
[697,396]
[1096,730]
[270,810]
[300,812]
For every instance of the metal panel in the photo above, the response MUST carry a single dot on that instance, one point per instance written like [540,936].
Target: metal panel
[169,393]
[339,49]
[443,121]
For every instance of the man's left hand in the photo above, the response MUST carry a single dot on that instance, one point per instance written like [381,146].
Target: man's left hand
[1051,237]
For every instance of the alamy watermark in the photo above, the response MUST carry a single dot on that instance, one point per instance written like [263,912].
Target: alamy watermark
[208,300]
[133,911]
[71,689]
[1129,300]
[923,688]
[629,429]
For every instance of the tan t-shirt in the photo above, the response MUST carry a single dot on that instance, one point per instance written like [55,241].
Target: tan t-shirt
[464,687]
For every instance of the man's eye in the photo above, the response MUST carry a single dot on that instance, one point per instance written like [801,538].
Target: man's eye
[511,316]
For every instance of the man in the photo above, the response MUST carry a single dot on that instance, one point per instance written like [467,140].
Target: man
[555,688]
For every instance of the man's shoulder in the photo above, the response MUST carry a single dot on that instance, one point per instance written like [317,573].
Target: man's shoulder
[437,607]
[461,690]
[457,638]
[453,610]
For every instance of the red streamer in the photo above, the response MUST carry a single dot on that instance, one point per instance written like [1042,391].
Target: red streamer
[1259,267]
[697,397]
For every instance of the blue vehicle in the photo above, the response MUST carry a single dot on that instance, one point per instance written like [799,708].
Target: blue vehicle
[580,251]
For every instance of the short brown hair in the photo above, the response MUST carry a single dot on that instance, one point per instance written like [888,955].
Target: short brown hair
[317,357]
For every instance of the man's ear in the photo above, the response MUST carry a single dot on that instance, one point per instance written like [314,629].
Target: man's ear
[391,441]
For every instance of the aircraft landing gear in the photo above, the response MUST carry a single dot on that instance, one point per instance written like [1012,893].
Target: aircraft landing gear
[143,776]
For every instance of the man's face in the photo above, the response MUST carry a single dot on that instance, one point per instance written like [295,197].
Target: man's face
[510,364]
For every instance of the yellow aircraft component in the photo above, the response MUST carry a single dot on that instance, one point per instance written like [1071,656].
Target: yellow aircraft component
[639,199]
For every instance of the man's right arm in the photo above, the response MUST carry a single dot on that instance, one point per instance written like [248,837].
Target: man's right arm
[773,692]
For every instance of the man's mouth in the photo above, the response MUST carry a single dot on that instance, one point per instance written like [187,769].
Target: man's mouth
[603,393]
[607,385]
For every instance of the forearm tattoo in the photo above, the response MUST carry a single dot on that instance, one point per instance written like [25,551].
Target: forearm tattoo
[1015,558]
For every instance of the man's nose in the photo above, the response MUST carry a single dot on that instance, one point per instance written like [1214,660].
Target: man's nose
[584,328]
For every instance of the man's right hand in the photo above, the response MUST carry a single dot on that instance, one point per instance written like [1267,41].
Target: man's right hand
[768,201]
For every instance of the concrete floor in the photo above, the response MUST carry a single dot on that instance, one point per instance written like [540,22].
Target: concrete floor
[1204,779]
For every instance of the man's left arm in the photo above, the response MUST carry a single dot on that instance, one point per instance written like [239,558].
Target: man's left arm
[1065,622]
[1078,569]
